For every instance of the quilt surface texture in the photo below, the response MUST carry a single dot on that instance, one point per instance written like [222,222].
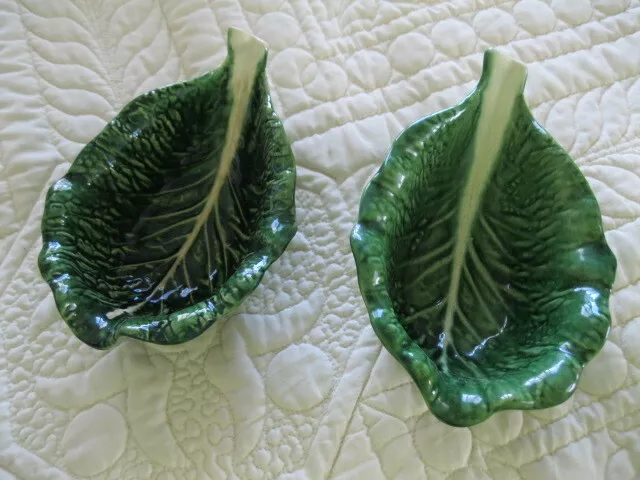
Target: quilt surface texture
[296,385]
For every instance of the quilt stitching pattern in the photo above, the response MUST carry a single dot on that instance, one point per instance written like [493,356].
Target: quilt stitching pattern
[296,384]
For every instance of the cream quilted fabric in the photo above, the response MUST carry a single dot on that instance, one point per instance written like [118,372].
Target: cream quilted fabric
[296,385]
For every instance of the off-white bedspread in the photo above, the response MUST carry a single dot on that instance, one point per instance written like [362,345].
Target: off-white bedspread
[297,386]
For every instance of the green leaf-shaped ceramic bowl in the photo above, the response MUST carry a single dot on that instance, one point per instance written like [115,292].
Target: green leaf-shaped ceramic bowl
[170,217]
[481,256]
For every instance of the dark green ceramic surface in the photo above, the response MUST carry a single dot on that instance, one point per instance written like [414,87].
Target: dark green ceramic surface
[481,256]
[139,241]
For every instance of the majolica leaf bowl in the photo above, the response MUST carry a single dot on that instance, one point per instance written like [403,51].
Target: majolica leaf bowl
[481,256]
[170,217]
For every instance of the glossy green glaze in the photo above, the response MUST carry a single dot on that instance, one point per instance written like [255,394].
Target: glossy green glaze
[169,218]
[481,256]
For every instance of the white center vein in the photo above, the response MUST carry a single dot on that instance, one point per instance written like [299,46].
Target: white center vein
[505,83]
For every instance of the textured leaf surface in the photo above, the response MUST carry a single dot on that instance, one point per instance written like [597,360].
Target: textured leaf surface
[482,257]
[172,214]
